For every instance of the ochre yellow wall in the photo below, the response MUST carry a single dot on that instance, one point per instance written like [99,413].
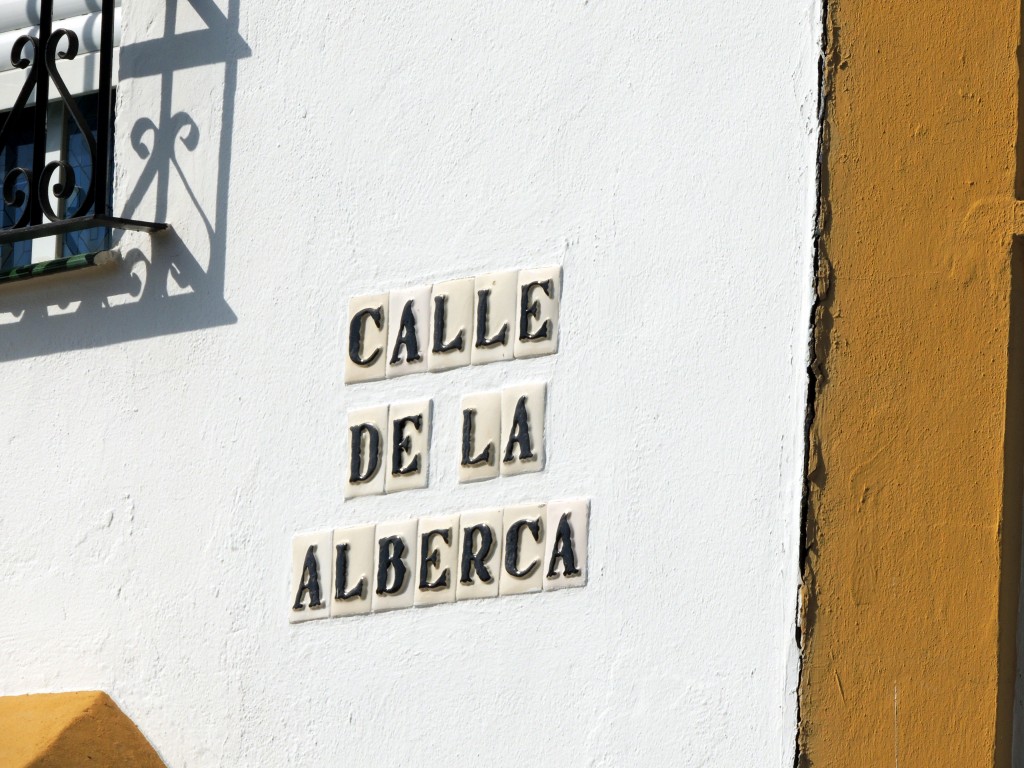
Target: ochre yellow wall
[62,730]
[913,524]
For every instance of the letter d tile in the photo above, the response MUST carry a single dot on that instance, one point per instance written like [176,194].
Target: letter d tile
[366,459]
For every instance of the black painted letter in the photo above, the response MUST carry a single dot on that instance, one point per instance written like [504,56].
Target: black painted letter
[563,550]
[407,337]
[512,541]
[440,320]
[483,309]
[356,332]
[468,427]
[309,582]
[392,548]
[401,444]
[341,576]
[520,434]
[431,558]
[473,559]
[529,308]
[356,474]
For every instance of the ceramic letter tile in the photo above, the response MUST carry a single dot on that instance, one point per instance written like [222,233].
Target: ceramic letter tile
[451,324]
[366,457]
[480,549]
[522,429]
[480,442]
[566,544]
[366,339]
[408,448]
[537,299]
[437,559]
[394,566]
[352,589]
[408,331]
[494,317]
[522,565]
[312,575]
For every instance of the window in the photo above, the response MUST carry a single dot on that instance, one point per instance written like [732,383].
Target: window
[56,134]
[69,145]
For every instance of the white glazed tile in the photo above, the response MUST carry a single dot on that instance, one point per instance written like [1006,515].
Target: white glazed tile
[370,425]
[471,581]
[352,588]
[437,559]
[398,542]
[522,565]
[494,333]
[365,340]
[537,299]
[408,448]
[522,428]
[311,577]
[480,441]
[408,320]
[451,343]
[563,539]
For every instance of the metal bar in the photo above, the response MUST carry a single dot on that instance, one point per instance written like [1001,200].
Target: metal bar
[100,177]
[76,224]
[42,98]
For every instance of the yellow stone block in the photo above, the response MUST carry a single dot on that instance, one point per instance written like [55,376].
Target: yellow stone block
[58,730]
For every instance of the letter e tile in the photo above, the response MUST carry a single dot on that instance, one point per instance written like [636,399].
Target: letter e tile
[537,300]
[566,544]
[479,554]
[438,558]
[352,589]
[394,565]
[311,577]
[408,447]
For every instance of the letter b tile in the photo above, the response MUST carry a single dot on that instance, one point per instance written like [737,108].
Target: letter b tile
[395,566]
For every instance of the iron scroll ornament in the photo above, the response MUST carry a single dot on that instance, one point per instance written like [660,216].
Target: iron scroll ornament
[65,186]
[28,188]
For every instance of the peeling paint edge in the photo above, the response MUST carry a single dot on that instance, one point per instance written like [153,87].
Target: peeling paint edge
[816,354]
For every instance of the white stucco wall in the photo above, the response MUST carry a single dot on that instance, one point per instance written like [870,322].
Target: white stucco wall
[169,426]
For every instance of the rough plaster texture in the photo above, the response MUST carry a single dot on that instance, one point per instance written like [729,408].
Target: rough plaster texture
[171,424]
[917,444]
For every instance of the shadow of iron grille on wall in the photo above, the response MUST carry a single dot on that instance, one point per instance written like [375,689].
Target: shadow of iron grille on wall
[40,193]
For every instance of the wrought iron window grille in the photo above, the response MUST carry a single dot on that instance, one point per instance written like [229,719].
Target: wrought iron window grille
[27,189]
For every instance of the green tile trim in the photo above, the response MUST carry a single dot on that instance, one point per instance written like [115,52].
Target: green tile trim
[53,267]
